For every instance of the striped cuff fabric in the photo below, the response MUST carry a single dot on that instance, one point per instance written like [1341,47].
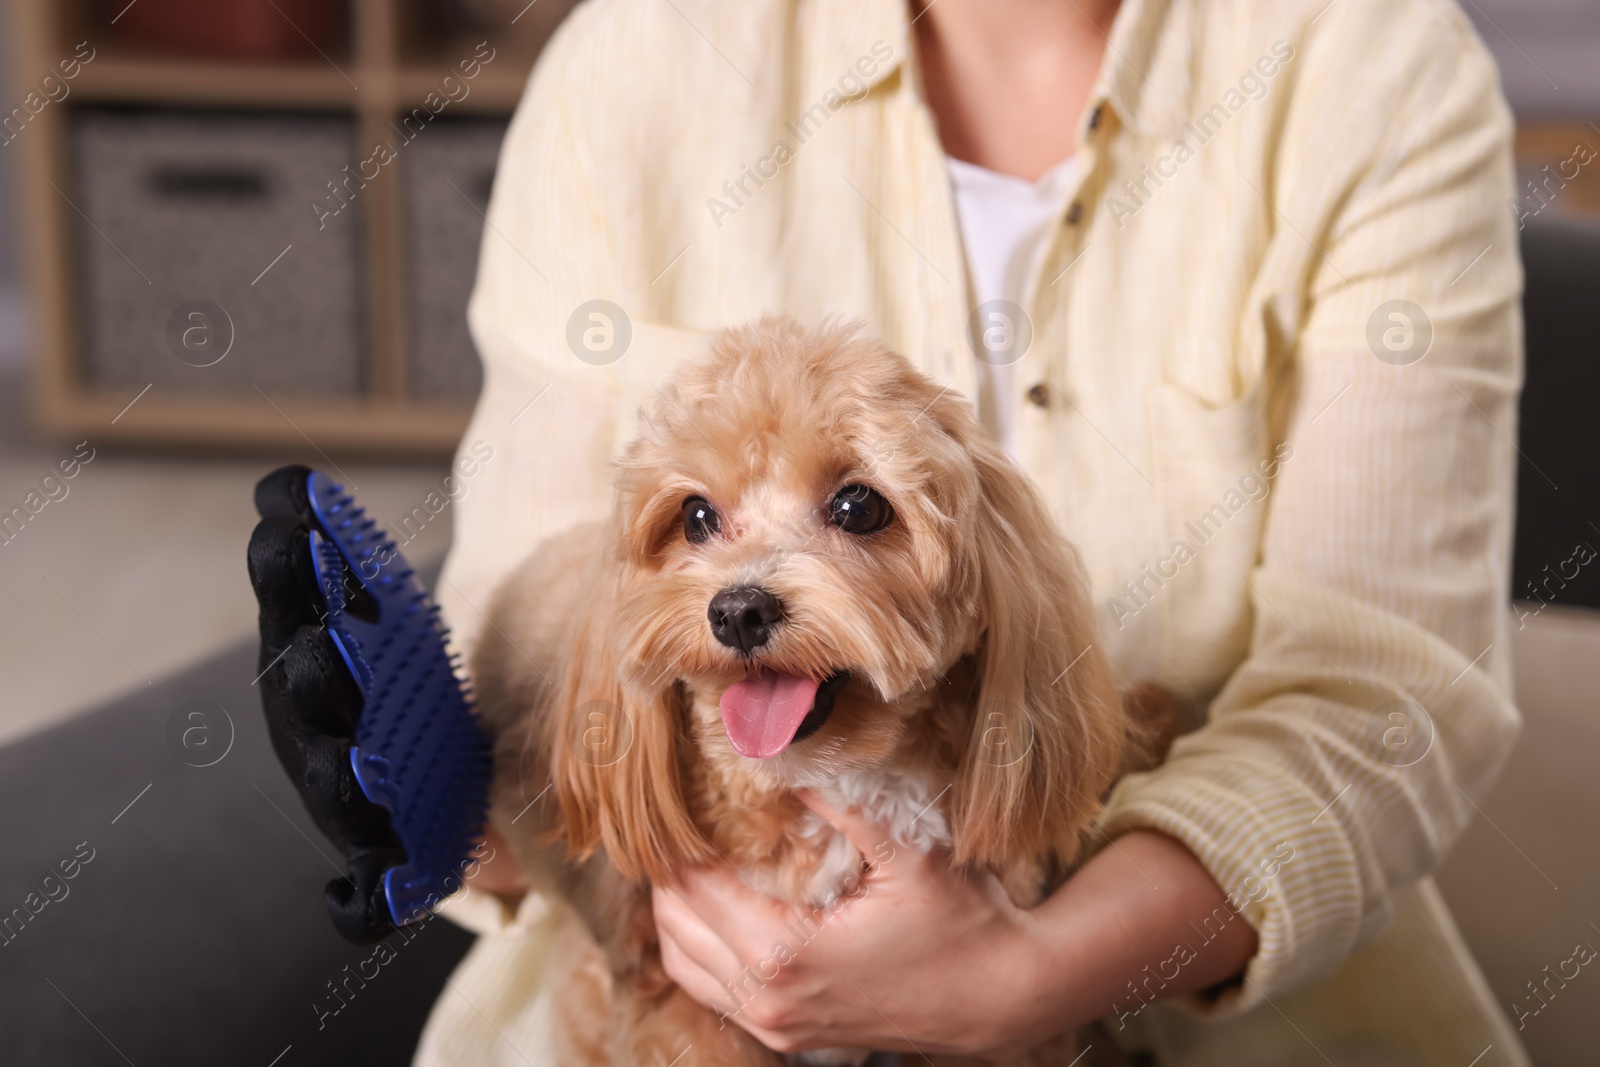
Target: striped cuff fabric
[1285,865]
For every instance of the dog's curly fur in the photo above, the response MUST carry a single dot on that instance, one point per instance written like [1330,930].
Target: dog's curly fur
[974,677]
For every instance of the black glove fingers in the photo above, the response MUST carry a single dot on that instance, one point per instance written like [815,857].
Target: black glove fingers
[285,582]
[337,802]
[312,703]
[283,492]
[357,903]
[311,687]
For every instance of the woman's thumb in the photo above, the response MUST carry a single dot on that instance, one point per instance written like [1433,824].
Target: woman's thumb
[871,839]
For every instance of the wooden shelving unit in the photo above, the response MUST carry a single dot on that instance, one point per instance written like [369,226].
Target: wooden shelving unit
[1553,144]
[381,76]
[396,55]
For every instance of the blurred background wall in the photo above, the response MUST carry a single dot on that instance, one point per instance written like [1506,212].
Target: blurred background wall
[12,326]
[1547,53]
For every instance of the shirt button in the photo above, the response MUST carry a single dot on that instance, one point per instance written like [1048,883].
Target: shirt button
[1074,213]
[1039,395]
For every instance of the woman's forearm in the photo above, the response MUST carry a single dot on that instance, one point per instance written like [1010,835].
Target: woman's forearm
[1141,921]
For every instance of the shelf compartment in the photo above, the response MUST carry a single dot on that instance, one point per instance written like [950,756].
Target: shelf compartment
[215,255]
[117,77]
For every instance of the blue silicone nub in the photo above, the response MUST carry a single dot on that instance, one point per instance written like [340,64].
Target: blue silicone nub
[419,750]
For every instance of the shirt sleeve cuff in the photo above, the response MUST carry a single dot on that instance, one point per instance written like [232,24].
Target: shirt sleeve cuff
[1269,842]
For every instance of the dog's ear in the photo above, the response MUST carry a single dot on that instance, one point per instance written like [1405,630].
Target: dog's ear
[1048,728]
[615,758]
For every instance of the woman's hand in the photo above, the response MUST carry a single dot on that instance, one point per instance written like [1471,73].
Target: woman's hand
[928,959]
[863,973]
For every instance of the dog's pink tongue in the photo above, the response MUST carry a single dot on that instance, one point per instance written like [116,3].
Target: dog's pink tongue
[762,713]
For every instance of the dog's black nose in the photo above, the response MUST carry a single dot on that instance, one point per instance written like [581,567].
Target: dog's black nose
[743,618]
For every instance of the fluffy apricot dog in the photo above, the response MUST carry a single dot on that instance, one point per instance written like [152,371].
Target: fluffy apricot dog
[818,572]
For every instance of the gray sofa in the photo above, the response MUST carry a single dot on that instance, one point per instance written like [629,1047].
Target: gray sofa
[196,933]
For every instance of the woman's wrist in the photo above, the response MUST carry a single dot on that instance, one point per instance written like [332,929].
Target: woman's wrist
[1129,927]
[1057,970]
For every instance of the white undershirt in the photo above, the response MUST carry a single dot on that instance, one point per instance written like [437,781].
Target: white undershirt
[1006,226]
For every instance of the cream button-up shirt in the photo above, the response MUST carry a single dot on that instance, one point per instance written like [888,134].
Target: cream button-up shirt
[1270,393]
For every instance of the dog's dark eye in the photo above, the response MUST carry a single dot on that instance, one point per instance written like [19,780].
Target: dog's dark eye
[859,509]
[700,520]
